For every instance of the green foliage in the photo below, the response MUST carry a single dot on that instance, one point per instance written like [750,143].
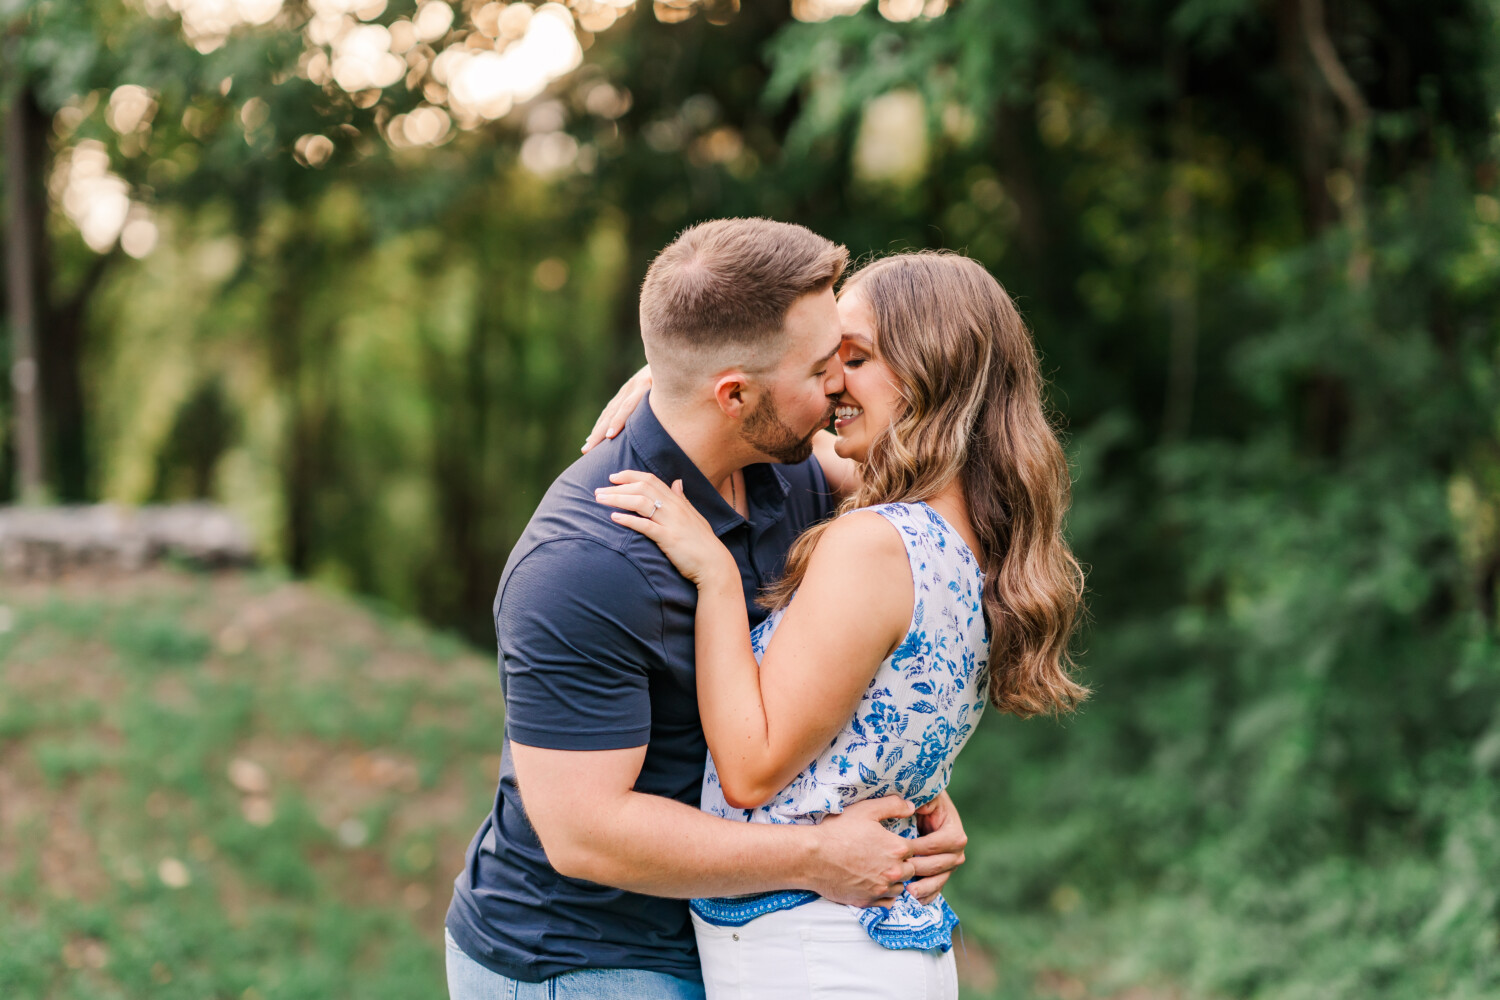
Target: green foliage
[1293,641]
[1272,339]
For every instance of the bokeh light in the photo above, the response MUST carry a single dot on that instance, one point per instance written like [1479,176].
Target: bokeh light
[362,59]
[207,24]
[433,20]
[468,70]
[130,109]
[313,150]
[140,234]
[891,147]
[94,199]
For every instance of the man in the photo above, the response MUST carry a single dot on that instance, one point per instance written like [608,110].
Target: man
[578,877]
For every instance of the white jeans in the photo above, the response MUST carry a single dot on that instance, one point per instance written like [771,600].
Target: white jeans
[818,951]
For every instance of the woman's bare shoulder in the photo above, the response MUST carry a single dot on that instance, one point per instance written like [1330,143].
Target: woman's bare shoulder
[862,539]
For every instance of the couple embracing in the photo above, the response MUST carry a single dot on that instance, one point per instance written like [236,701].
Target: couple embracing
[740,654]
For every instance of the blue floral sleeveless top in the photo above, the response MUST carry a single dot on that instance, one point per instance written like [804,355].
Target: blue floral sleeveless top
[915,716]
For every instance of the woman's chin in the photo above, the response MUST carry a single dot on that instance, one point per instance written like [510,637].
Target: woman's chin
[849,448]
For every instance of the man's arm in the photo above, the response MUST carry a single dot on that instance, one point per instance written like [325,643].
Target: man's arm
[594,826]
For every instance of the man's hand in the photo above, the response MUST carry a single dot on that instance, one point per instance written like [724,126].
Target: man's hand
[619,409]
[857,860]
[939,850]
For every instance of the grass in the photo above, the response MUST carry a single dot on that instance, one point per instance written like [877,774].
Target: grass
[231,786]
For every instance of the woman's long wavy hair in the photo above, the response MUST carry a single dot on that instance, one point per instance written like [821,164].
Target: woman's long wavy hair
[971,392]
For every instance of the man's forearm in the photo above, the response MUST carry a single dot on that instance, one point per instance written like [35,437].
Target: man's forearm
[658,846]
[594,826]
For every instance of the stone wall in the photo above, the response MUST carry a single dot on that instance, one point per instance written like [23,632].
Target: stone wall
[47,541]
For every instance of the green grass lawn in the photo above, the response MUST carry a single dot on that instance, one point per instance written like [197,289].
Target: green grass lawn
[231,786]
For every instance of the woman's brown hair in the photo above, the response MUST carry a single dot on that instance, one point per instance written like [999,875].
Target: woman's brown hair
[971,391]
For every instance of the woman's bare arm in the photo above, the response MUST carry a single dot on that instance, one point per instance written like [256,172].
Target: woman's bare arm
[764,724]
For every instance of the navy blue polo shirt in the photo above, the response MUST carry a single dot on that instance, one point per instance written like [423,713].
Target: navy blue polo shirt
[595,635]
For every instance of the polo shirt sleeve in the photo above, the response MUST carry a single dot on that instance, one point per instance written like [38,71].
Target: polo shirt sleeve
[810,491]
[578,627]
[825,502]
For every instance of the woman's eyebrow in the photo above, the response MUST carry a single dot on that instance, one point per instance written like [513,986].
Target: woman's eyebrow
[859,339]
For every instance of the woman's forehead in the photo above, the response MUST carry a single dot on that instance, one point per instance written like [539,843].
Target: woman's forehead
[855,311]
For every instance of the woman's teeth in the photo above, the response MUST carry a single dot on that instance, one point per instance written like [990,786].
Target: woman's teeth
[847,412]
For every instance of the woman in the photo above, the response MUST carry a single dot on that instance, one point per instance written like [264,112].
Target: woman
[944,584]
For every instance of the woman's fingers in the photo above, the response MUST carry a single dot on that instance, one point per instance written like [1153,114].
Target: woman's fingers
[622,410]
[625,476]
[624,402]
[644,494]
[654,491]
[644,525]
[641,504]
[599,431]
[630,483]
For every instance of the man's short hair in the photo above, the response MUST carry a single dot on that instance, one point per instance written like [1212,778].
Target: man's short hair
[719,293]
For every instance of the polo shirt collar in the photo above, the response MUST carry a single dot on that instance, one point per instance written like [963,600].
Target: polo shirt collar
[664,458]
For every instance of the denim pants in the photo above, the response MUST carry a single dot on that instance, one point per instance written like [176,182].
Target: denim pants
[468,980]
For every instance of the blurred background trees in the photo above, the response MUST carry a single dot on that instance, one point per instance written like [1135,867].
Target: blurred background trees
[344,268]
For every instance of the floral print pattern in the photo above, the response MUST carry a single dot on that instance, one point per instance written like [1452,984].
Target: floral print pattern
[918,711]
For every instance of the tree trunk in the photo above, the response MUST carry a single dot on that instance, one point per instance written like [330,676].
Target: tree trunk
[1181,284]
[23,232]
[61,358]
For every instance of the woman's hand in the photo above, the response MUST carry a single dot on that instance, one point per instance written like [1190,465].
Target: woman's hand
[667,518]
[619,409]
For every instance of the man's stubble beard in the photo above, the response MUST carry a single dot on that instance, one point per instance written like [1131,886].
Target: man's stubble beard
[768,434]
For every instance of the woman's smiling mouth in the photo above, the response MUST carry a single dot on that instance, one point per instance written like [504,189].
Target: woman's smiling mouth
[845,414]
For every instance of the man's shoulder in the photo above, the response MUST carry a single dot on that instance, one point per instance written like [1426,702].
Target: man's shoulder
[571,538]
[807,489]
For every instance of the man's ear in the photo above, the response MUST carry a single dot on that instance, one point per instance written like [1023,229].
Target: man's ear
[735,394]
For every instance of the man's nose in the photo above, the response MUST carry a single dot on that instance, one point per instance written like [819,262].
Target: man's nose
[833,385]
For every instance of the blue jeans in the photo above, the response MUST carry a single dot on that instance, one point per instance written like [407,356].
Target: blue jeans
[468,980]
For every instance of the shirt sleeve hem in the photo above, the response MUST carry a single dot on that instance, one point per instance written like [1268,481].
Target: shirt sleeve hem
[543,739]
